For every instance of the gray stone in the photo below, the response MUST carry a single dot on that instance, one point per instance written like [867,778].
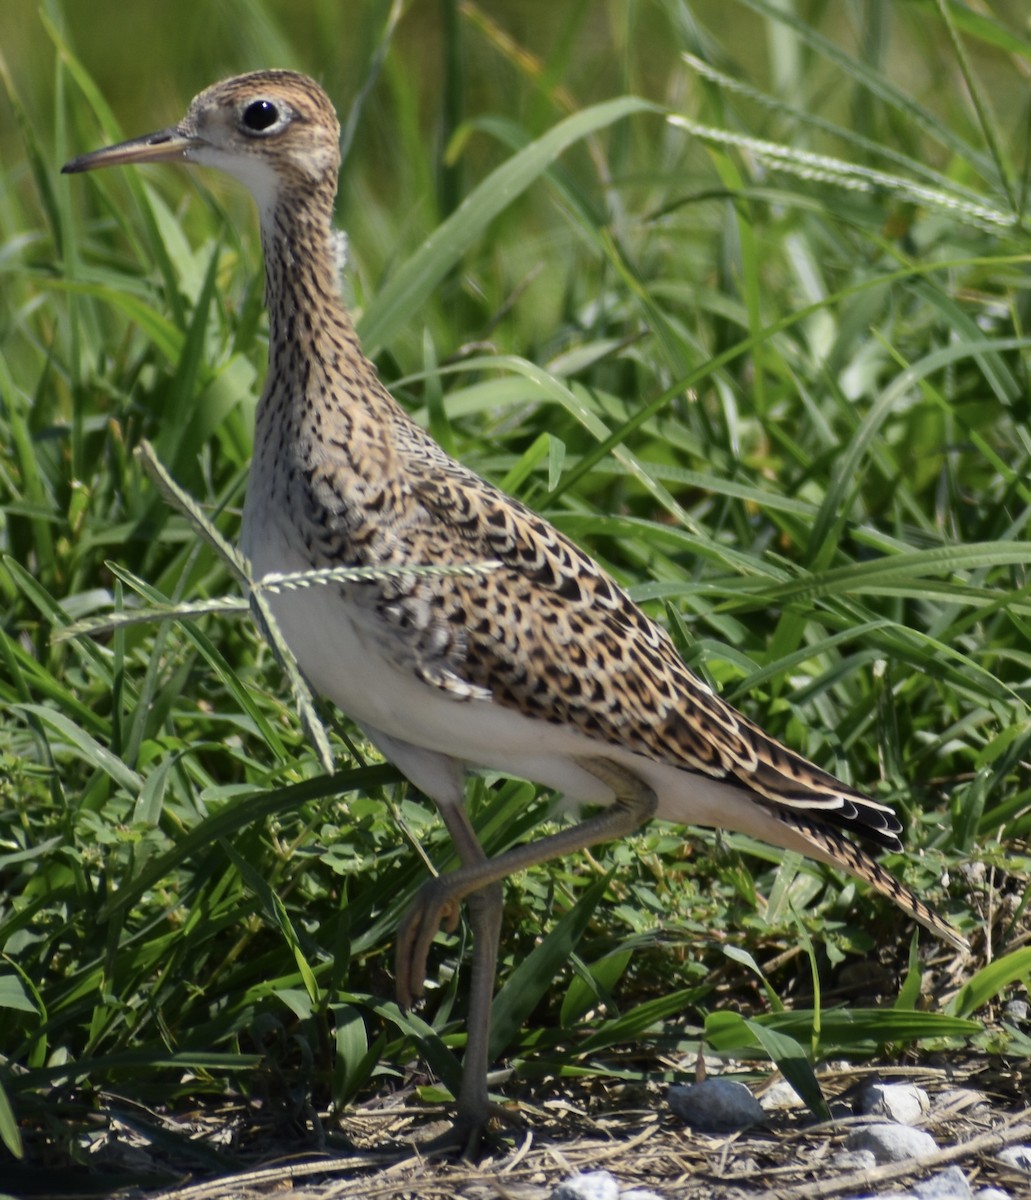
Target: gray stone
[991,1193]
[1016,1010]
[594,1185]
[715,1105]
[891,1143]
[1018,1157]
[950,1184]
[853,1160]
[899,1102]
[780,1096]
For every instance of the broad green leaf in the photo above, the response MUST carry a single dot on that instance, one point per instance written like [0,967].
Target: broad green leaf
[13,995]
[10,1134]
[86,747]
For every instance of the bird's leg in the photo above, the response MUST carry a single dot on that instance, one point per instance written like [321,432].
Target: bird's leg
[438,899]
[479,878]
[485,912]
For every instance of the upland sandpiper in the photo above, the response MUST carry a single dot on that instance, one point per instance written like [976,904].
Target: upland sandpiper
[542,668]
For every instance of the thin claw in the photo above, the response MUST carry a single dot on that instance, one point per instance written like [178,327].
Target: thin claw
[449,916]
[467,1135]
[433,909]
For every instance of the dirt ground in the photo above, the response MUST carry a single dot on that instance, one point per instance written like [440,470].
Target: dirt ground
[977,1108]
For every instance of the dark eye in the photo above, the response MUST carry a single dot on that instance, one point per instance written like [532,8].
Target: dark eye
[259,116]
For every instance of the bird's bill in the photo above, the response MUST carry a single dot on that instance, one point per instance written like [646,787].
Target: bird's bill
[167,145]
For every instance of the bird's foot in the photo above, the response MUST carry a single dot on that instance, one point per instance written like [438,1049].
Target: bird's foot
[468,1133]
[434,908]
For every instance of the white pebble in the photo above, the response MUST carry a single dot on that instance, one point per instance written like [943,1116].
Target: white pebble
[715,1105]
[891,1143]
[900,1102]
[594,1185]
[1018,1157]
[991,1193]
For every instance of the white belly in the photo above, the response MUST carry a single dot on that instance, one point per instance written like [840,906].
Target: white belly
[344,663]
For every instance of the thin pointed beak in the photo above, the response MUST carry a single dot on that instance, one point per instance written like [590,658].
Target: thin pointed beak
[167,145]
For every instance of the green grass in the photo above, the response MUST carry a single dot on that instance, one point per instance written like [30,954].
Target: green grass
[784,399]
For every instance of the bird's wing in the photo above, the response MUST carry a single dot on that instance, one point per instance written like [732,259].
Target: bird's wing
[550,634]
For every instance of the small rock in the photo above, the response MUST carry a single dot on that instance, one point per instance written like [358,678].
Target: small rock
[780,1096]
[593,1185]
[1018,1157]
[715,1105]
[640,1194]
[950,1184]
[990,1193]
[1016,1010]
[891,1143]
[853,1160]
[900,1102]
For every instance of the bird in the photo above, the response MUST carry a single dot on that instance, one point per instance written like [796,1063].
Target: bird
[537,664]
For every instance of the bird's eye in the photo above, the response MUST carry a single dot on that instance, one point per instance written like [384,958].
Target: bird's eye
[260,116]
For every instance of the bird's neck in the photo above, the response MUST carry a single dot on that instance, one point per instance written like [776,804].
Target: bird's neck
[315,358]
[302,280]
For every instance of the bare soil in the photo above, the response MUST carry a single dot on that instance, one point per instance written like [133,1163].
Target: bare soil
[977,1109]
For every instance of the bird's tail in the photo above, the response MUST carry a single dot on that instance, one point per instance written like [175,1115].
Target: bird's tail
[827,844]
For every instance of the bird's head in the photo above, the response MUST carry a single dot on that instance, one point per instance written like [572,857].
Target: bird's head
[275,131]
